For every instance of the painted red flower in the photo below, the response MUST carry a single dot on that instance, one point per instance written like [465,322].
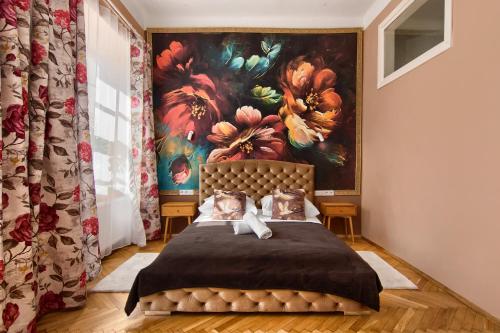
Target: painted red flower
[76,194]
[38,52]
[73,7]
[5,200]
[190,109]
[43,94]
[310,101]
[22,230]
[144,178]
[48,218]
[62,18]
[23,4]
[150,144]
[146,224]
[8,12]
[257,138]
[49,302]
[42,268]
[180,170]
[135,152]
[153,191]
[13,121]
[91,226]
[69,106]
[81,73]
[85,151]
[35,193]
[135,101]
[10,314]
[32,149]
[83,279]
[156,234]
[10,57]
[2,270]
[134,51]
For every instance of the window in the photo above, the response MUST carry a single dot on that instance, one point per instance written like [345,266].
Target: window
[414,32]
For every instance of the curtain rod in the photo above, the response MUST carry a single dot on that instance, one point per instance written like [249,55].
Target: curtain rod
[123,18]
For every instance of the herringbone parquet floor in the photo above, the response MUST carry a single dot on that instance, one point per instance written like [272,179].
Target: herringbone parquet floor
[431,309]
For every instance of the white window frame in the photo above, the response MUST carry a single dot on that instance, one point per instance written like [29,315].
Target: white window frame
[424,57]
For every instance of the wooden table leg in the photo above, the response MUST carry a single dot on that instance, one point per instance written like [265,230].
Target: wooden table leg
[329,222]
[345,227]
[352,231]
[190,220]
[324,220]
[167,225]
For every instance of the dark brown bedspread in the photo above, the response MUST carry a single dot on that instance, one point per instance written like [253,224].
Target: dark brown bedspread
[299,256]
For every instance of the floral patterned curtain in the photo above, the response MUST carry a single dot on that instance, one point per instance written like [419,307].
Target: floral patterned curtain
[48,239]
[143,153]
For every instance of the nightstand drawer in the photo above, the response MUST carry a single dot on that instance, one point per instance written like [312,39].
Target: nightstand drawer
[339,210]
[177,210]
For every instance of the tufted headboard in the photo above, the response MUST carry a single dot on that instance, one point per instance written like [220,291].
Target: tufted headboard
[256,178]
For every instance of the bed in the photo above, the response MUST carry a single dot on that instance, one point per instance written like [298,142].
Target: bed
[302,268]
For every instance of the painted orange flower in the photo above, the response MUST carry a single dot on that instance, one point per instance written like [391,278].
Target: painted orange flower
[311,104]
[257,138]
[173,65]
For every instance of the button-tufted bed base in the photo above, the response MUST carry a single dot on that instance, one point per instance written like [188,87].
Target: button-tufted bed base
[257,178]
[233,300]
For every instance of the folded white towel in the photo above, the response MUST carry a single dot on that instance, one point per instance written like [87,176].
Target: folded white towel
[241,228]
[257,226]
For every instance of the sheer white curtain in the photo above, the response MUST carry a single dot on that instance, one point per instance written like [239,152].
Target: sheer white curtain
[108,66]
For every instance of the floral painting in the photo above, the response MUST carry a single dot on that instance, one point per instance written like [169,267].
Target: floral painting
[243,95]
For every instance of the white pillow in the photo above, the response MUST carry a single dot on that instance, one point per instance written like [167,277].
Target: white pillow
[208,206]
[267,207]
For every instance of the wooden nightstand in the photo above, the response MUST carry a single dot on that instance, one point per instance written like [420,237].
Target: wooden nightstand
[329,210]
[170,210]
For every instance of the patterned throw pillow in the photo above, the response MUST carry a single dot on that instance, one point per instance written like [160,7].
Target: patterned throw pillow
[288,205]
[229,205]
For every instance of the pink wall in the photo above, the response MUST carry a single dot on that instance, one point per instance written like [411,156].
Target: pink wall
[431,157]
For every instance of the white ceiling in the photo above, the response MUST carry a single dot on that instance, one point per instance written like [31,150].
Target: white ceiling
[255,13]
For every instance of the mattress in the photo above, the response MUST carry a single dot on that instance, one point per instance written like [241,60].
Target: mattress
[300,257]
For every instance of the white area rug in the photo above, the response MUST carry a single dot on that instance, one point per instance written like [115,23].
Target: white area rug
[388,275]
[122,278]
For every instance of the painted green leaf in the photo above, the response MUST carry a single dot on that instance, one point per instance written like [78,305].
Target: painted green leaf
[236,63]
[252,62]
[227,53]
[266,95]
[274,52]
[265,46]
[261,68]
